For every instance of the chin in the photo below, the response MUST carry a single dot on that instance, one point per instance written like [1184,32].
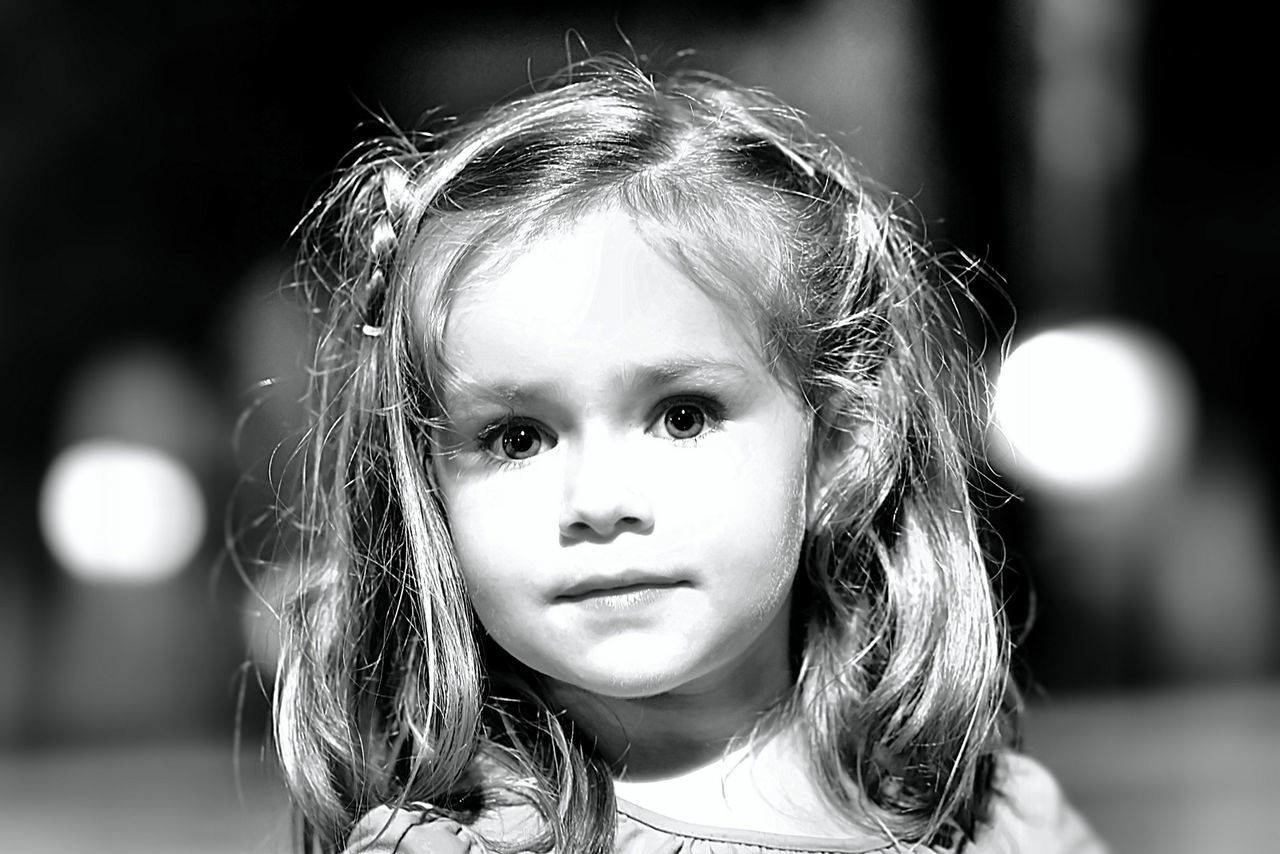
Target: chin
[620,686]
[636,689]
[621,680]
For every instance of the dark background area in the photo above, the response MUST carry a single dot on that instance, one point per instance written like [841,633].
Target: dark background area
[154,157]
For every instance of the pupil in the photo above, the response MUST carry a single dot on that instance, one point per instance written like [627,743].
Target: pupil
[684,419]
[520,441]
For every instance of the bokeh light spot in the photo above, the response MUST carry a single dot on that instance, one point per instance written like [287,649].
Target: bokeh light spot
[121,512]
[1090,407]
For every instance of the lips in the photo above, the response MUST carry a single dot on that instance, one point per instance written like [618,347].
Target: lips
[603,585]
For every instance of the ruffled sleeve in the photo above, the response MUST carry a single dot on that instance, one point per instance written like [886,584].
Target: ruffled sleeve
[1032,815]
[387,830]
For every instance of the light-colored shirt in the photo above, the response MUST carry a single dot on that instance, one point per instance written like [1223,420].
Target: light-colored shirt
[1029,815]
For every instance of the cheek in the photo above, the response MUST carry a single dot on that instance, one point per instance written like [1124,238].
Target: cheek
[488,560]
[788,505]
[495,536]
[505,533]
[476,521]
[489,526]
[793,511]
[757,510]
[772,477]
[489,508]
[788,515]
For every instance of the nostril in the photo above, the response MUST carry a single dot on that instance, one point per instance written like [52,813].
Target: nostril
[601,530]
[602,507]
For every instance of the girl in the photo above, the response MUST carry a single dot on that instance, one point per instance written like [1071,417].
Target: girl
[638,515]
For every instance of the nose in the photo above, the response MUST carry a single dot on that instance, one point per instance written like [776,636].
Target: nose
[601,497]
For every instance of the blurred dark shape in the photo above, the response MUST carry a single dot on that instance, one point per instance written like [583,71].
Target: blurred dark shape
[264,344]
[1173,580]
[1149,541]
[156,798]
[1172,584]
[1175,771]
[1213,606]
[143,393]
[130,663]
[1084,133]
[263,347]
[18,616]
[133,660]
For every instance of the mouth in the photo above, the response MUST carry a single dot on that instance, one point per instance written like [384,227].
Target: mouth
[626,585]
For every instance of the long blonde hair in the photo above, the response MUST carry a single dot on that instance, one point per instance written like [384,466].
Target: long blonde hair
[389,694]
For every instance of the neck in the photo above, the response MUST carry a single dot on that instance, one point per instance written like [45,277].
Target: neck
[665,735]
[685,754]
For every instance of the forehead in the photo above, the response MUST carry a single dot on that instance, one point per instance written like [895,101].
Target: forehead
[594,291]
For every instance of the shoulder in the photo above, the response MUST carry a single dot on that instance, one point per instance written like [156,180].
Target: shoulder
[410,830]
[1031,813]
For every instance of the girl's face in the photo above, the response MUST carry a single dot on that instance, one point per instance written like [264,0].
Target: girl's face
[624,477]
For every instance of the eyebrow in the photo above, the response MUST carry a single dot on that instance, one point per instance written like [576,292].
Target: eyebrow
[642,378]
[648,377]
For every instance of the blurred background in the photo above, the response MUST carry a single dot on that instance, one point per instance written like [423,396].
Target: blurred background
[1103,156]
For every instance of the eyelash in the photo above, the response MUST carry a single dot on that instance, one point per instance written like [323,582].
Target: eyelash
[497,430]
[712,412]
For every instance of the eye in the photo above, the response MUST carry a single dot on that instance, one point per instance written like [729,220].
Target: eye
[517,440]
[684,420]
